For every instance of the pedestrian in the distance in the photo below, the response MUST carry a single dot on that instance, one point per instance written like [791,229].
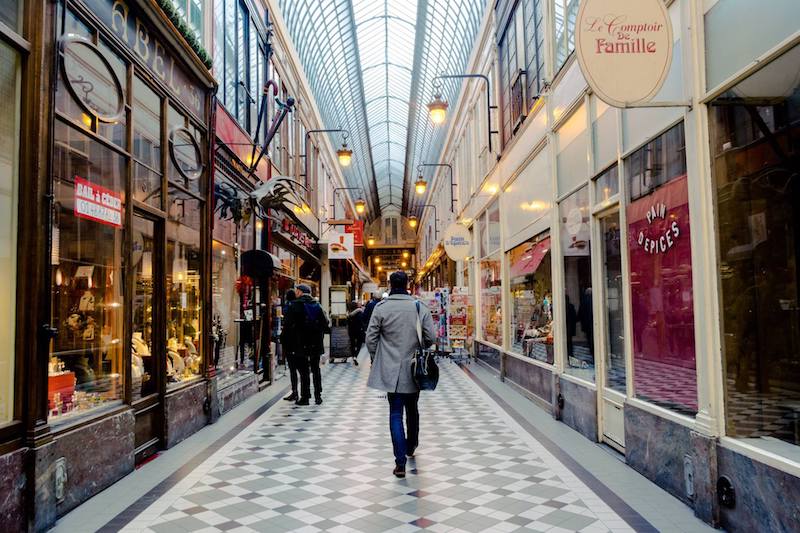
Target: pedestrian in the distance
[355,329]
[393,341]
[307,326]
[368,309]
[288,350]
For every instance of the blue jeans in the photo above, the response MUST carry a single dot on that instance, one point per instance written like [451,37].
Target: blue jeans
[403,441]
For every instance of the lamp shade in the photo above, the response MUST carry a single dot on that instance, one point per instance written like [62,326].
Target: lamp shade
[412,221]
[361,206]
[421,185]
[345,155]
[437,110]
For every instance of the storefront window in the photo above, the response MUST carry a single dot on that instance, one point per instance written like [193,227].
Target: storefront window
[607,185]
[184,303]
[531,299]
[146,144]
[755,144]
[565,13]
[9,150]
[11,14]
[661,274]
[577,250]
[491,296]
[612,274]
[85,368]
[143,362]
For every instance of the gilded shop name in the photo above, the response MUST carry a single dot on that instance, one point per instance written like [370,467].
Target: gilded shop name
[144,43]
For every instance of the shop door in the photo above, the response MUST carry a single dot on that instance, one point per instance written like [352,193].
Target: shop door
[612,390]
[147,333]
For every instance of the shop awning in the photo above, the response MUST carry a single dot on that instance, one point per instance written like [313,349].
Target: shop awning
[259,264]
[531,259]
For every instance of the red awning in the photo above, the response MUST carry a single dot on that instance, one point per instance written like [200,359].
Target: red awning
[531,258]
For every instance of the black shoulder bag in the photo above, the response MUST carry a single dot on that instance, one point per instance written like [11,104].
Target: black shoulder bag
[423,367]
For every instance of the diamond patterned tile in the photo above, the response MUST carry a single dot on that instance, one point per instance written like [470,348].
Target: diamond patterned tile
[329,468]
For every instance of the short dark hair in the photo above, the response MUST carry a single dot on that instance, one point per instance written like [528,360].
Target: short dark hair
[398,280]
[290,295]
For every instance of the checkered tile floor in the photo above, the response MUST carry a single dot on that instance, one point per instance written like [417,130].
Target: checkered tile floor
[329,468]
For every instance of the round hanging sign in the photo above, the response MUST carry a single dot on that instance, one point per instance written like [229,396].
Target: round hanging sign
[457,242]
[624,48]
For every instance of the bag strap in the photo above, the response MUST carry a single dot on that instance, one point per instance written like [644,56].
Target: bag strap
[419,326]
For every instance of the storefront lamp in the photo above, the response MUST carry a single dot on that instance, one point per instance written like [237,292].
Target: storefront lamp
[421,185]
[361,206]
[403,264]
[376,260]
[345,155]
[370,241]
[412,221]
[380,268]
[405,254]
[437,109]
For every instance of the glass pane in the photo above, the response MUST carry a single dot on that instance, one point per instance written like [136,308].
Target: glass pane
[146,124]
[756,172]
[115,131]
[146,185]
[531,299]
[493,227]
[612,274]
[9,160]
[186,150]
[85,368]
[657,162]
[143,362]
[491,305]
[607,185]
[576,246]
[184,304]
[225,308]
[661,283]
[11,16]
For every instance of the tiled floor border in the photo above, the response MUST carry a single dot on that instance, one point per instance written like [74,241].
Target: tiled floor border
[137,507]
[617,504]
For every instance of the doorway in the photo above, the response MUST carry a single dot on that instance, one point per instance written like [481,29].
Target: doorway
[147,334]
[612,389]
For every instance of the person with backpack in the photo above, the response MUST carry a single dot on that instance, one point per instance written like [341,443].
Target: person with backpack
[306,326]
[393,340]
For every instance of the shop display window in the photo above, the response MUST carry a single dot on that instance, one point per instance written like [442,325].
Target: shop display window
[184,302]
[143,360]
[491,300]
[755,149]
[531,285]
[85,367]
[9,160]
[662,301]
[576,247]
[225,307]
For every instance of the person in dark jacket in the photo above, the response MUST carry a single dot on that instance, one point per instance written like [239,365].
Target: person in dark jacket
[307,325]
[288,352]
[355,329]
[365,318]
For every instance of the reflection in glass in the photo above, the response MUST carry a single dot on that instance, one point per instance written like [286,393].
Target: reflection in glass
[612,274]
[607,185]
[146,144]
[9,159]
[577,251]
[85,368]
[532,299]
[143,362]
[93,83]
[755,144]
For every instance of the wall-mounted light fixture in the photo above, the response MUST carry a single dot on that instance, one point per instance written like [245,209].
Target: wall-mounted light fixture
[437,109]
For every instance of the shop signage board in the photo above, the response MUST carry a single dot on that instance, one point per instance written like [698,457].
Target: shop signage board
[130,25]
[294,233]
[457,242]
[97,203]
[357,229]
[342,247]
[624,48]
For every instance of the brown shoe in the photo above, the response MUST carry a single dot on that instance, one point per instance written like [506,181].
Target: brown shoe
[399,471]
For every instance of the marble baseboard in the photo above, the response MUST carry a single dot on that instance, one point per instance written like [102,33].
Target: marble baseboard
[767,499]
[580,408]
[97,455]
[237,392]
[656,448]
[533,378]
[13,484]
[184,411]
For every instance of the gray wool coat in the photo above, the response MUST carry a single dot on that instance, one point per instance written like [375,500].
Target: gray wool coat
[392,340]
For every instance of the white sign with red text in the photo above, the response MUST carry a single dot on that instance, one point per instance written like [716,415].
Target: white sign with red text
[97,203]
[624,48]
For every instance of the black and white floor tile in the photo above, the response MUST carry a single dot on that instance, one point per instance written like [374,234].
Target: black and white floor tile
[329,468]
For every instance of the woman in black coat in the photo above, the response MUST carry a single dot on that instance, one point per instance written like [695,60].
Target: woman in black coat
[355,329]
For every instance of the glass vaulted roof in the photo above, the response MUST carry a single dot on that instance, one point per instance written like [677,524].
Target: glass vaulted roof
[371,64]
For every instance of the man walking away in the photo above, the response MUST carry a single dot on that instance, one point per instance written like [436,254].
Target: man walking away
[355,329]
[308,325]
[288,349]
[368,309]
[392,341]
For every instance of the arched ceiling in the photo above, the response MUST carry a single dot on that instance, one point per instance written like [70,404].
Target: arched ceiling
[371,64]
